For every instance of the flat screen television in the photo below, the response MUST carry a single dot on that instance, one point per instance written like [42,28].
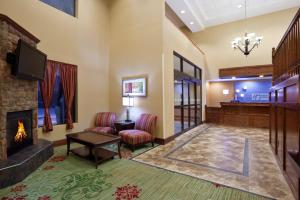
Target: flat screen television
[29,62]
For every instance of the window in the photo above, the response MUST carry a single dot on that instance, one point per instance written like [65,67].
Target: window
[67,6]
[57,108]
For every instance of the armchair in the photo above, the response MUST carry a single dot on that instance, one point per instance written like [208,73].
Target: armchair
[104,123]
[142,133]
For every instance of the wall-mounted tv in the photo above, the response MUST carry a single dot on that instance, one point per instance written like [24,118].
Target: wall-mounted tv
[29,62]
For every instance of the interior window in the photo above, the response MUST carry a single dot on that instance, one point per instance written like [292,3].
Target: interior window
[67,6]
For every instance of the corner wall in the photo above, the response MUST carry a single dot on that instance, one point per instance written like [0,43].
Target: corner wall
[215,93]
[136,49]
[175,40]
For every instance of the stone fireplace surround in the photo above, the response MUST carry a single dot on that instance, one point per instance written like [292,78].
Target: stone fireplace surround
[15,94]
[18,95]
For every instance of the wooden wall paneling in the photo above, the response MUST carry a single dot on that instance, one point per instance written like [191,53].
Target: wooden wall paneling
[246,71]
[292,146]
[240,114]
[292,92]
[285,110]
[280,135]
[273,126]
[236,120]
[272,122]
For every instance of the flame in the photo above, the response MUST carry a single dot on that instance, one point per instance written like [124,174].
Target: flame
[21,134]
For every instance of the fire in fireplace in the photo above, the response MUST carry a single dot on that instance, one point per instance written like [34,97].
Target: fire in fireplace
[21,134]
[18,131]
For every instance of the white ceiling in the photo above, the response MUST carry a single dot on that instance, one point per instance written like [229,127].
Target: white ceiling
[206,13]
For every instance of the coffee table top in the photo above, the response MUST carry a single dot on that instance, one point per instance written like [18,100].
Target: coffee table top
[93,138]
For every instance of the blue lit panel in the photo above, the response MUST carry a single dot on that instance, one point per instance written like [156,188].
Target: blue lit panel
[253,91]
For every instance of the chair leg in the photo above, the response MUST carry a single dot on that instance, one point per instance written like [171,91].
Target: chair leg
[132,148]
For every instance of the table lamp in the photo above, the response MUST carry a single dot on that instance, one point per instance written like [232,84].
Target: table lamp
[128,102]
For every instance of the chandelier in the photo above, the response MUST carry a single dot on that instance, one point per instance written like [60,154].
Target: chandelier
[247,43]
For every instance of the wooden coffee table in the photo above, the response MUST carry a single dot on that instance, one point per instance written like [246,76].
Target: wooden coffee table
[93,142]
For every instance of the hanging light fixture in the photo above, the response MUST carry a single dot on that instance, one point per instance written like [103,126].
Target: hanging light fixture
[247,43]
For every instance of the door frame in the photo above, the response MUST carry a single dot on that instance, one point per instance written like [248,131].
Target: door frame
[195,81]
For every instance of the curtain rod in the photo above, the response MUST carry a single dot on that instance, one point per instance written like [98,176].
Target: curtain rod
[58,62]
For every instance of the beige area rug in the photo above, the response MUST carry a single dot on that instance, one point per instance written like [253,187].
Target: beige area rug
[236,157]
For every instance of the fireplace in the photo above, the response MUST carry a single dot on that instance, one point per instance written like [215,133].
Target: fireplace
[18,131]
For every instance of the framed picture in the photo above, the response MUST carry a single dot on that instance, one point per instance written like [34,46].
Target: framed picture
[134,86]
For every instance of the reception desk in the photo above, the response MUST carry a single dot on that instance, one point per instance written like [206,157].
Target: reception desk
[240,114]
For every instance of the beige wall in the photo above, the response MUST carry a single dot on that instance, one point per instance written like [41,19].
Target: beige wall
[175,40]
[215,93]
[216,41]
[83,41]
[136,49]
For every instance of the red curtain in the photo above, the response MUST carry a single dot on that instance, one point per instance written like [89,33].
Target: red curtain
[68,75]
[47,86]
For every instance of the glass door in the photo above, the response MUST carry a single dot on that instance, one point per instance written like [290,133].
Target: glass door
[178,106]
[187,95]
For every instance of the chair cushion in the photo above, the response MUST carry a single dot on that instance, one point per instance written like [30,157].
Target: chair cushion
[146,122]
[101,129]
[105,119]
[135,137]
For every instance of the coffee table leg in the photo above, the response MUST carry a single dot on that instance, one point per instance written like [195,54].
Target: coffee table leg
[96,157]
[119,150]
[68,146]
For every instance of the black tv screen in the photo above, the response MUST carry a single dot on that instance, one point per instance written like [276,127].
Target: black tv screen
[30,62]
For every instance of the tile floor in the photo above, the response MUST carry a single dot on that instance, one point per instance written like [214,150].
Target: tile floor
[236,157]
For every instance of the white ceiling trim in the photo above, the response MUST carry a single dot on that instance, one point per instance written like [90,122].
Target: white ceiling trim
[206,13]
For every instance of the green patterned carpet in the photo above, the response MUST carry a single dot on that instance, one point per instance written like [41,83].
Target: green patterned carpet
[73,178]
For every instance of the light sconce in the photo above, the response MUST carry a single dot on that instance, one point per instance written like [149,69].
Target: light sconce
[225,91]
[237,91]
[242,95]
[245,88]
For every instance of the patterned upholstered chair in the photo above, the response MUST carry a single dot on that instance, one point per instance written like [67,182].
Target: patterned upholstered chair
[104,123]
[143,132]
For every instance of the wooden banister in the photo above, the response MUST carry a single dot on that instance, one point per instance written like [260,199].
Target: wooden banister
[286,57]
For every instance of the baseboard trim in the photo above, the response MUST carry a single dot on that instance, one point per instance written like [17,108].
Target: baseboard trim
[58,143]
[162,141]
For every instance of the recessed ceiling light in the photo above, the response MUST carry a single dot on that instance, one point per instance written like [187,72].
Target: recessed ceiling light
[182,11]
[240,6]
[261,76]
[191,23]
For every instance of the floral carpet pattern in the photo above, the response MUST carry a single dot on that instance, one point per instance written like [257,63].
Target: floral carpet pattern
[68,178]
[127,192]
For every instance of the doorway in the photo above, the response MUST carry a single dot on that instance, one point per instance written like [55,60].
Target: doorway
[187,94]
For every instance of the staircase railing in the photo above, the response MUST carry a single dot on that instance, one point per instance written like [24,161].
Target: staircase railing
[286,57]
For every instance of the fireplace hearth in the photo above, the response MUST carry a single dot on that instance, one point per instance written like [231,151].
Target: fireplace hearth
[18,131]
